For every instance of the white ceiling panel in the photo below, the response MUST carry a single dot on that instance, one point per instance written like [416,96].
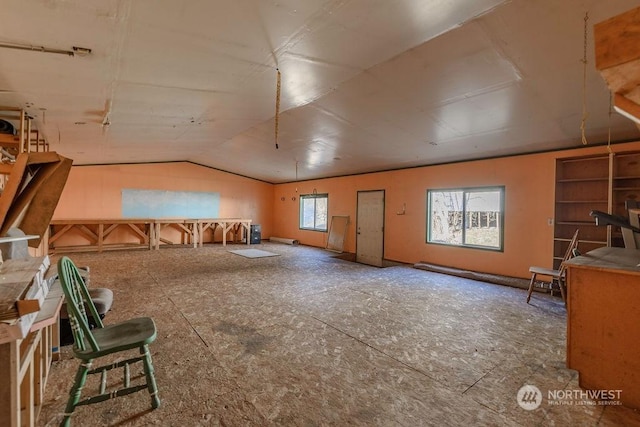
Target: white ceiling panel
[366,84]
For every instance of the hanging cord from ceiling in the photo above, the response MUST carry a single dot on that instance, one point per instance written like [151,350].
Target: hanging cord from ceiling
[294,197]
[609,123]
[584,82]
[278,86]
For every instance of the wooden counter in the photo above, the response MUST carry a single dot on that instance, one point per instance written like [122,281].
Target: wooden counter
[94,234]
[29,344]
[603,321]
[234,226]
[146,233]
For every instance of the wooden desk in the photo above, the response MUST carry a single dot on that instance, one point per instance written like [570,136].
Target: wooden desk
[227,225]
[603,321]
[69,235]
[25,358]
[94,233]
[187,229]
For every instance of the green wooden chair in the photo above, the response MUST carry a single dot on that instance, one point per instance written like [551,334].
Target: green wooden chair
[103,340]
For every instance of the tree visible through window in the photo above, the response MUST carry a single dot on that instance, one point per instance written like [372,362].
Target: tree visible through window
[466,217]
[314,211]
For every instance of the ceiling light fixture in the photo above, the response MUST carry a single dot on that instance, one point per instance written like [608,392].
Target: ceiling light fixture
[626,107]
[75,50]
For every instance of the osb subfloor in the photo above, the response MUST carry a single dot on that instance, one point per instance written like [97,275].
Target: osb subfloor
[305,339]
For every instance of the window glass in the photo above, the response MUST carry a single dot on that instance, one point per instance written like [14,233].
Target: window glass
[466,217]
[314,212]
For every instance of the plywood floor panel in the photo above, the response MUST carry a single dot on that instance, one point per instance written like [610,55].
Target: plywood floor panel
[305,339]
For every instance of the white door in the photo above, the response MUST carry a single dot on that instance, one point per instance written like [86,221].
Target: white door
[370,227]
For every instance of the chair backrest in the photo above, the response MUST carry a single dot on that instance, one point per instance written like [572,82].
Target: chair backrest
[78,301]
[573,244]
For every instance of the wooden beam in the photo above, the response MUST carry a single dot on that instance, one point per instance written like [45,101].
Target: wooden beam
[88,232]
[60,233]
[617,40]
[109,229]
[13,186]
[46,157]
[617,52]
[134,227]
[33,209]
[38,216]
[21,131]
[25,196]
[627,107]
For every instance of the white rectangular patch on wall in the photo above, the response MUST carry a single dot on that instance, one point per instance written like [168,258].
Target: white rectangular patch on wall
[169,204]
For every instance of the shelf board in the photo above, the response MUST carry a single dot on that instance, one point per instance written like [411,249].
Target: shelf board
[570,180]
[627,154]
[609,178]
[582,223]
[582,201]
[584,159]
[595,242]
[561,239]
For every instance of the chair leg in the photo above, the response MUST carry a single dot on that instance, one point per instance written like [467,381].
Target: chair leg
[563,291]
[76,391]
[151,379]
[531,283]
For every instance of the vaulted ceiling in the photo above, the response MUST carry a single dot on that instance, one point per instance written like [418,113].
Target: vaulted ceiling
[366,85]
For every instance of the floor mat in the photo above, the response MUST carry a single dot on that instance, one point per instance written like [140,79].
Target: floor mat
[253,253]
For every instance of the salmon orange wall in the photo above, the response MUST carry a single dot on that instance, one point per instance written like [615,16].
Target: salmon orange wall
[94,192]
[529,204]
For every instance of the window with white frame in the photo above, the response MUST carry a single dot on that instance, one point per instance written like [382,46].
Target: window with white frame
[471,217]
[314,212]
